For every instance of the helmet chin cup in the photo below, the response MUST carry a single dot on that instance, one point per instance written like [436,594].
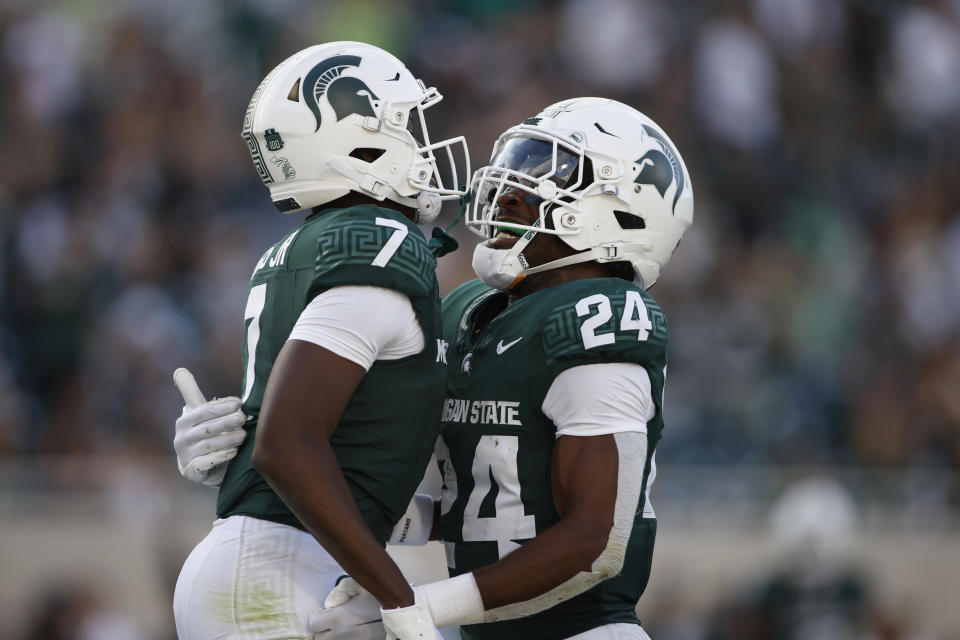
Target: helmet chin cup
[496,267]
[428,207]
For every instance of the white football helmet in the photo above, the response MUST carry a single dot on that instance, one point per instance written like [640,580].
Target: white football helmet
[341,117]
[610,180]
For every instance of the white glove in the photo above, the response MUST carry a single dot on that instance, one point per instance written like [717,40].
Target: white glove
[208,434]
[410,623]
[349,607]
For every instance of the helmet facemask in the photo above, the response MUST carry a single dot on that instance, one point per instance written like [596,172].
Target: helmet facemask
[552,170]
[560,175]
[406,120]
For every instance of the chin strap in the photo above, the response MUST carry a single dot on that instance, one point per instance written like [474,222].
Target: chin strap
[426,204]
[605,252]
[577,258]
[368,184]
[503,269]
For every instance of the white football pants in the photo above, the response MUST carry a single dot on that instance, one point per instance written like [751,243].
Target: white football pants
[257,580]
[619,631]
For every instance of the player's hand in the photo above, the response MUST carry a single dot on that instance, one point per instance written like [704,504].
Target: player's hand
[410,623]
[208,434]
[348,607]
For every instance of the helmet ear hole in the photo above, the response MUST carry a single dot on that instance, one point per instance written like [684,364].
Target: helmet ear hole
[629,221]
[367,154]
[587,175]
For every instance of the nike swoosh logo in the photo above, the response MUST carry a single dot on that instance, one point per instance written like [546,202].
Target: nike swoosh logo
[503,347]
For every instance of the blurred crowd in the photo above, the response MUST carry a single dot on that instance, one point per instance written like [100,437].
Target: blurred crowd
[814,305]
[815,583]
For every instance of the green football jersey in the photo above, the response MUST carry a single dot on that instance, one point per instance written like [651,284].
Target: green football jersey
[498,443]
[387,432]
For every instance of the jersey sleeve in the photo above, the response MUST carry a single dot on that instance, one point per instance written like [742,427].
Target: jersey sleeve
[615,324]
[372,246]
[341,321]
[600,399]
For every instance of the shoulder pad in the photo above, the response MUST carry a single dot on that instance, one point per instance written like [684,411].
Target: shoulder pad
[457,302]
[463,295]
[603,321]
[369,245]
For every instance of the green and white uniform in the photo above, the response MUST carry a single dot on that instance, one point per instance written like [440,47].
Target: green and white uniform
[497,443]
[381,446]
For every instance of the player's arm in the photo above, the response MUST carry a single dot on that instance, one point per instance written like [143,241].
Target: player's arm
[307,392]
[597,475]
[596,488]
[314,376]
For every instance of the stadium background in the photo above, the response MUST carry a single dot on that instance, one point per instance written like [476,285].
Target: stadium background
[814,305]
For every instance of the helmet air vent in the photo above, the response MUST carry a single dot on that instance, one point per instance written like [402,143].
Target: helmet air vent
[294,95]
[629,221]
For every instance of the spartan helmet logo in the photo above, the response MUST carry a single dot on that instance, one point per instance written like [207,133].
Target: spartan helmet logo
[660,167]
[345,94]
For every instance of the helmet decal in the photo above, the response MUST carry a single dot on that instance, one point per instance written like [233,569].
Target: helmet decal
[657,175]
[248,136]
[346,95]
[289,173]
[655,169]
[274,140]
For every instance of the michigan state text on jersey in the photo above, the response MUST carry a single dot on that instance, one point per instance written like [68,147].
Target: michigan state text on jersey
[497,489]
[379,444]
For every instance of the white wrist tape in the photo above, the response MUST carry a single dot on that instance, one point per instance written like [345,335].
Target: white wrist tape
[453,601]
[415,524]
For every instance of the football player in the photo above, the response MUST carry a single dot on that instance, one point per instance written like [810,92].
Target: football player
[555,389]
[342,314]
